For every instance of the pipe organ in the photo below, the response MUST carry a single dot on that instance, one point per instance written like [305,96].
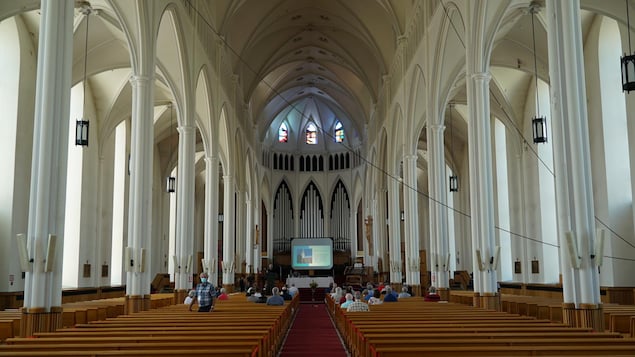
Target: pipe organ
[340,218]
[282,219]
[311,213]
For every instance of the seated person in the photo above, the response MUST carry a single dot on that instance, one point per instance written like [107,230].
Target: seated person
[223,294]
[390,296]
[293,290]
[348,302]
[376,299]
[432,295]
[404,293]
[285,294]
[275,298]
[190,297]
[252,295]
[358,304]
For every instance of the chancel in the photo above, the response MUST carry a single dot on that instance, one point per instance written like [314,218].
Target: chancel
[474,156]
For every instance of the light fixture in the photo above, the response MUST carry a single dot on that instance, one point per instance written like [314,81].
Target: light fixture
[82,125]
[628,62]
[171,180]
[402,216]
[221,217]
[538,123]
[454,179]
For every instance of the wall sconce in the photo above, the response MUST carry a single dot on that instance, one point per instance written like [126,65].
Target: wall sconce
[402,216]
[221,218]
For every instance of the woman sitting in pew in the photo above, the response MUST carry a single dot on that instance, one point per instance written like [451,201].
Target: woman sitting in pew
[432,295]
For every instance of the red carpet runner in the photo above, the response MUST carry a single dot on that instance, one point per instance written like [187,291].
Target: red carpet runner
[312,334]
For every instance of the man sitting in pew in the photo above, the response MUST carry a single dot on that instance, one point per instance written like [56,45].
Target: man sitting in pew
[358,304]
[390,296]
[275,298]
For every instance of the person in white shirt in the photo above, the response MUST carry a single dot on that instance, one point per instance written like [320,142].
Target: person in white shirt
[293,290]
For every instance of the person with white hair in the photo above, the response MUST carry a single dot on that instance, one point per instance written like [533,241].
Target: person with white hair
[348,302]
[432,295]
[275,298]
[390,295]
[204,295]
[404,293]
[190,297]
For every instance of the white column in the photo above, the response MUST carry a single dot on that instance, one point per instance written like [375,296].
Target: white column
[185,207]
[50,151]
[481,181]
[211,217]
[411,221]
[228,230]
[249,237]
[395,231]
[574,189]
[438,207]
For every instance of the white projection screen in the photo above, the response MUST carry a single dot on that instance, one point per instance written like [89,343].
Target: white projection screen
[311,253]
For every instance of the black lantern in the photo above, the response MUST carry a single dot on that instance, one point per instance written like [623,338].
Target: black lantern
[628,61]
[454,179]
[539,126]
[454,183]
[171,180]
[81,132]
[538,123]
[81,126]
[170,184]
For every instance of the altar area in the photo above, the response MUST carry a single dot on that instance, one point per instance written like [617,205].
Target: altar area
[305,281]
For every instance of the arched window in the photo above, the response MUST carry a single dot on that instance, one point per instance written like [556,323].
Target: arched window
[283,133]
[339,132]
[311,134]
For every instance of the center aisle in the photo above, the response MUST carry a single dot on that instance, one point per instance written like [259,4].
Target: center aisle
[312,334]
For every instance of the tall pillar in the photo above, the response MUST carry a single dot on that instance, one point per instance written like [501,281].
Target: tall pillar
[411,223]
[249,235]
[481,188]
[228,233]
[395,231]
[438,210]
[185,209]
[211,219]
[43,286]
[574,189]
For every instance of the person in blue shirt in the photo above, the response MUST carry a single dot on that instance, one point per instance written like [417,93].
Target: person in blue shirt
[275,298]
[390,295]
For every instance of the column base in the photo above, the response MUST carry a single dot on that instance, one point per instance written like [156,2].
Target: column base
[444,293]
[569,315]
[36,319]
[180,295]
[147,302]
[476,300]
[490,301]
[134,303]
[416,290]
[229,288]
[591,315]
[396,287]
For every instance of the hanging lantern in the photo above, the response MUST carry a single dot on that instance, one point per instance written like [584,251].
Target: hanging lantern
[539,126]
[454,183]
[81,125]
[81,132]
[171,184]
[628,62]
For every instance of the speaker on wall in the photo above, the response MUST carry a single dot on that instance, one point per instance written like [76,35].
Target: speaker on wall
[25,262]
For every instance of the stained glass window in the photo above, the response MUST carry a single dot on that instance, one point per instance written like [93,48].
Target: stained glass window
[311,134]
[283,133]
[339,132]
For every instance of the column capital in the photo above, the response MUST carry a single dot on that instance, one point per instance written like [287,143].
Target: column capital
[402,40]
[138,80]
[481,76]
[410,157]
[438,128]
[186,129]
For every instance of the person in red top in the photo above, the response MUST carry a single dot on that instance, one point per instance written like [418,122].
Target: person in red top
[432,295]
[223,294]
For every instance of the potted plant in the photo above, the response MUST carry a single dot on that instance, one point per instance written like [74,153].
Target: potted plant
[313,285]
